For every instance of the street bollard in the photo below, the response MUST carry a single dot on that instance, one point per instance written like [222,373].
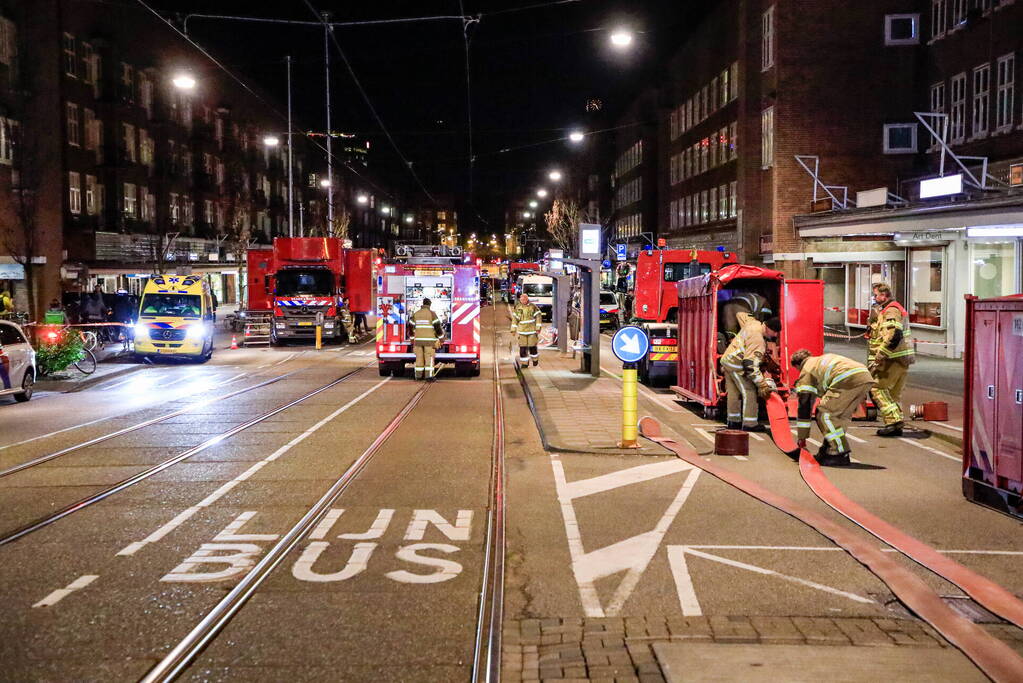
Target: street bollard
[319,330]
[630,406]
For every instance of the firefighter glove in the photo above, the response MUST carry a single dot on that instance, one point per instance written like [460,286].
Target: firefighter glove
[764,390]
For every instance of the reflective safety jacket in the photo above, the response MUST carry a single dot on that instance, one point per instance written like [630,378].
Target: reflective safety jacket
[821,374]
[889,336]
[747,349]
[526,319]
[424,326]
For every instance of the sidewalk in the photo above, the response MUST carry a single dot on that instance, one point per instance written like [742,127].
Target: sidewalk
[578,413]
[930,379]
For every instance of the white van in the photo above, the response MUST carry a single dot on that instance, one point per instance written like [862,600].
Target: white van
[540,290]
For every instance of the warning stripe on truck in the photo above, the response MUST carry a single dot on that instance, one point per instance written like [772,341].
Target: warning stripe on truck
[463,314]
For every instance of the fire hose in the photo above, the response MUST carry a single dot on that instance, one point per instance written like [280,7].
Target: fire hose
[996,659]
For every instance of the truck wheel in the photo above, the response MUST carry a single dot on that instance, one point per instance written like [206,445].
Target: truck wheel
[385,370]
[710,412]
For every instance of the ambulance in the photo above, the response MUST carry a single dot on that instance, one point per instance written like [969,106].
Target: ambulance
[175,318]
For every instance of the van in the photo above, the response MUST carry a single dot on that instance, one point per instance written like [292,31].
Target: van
[540,290]
[175,318]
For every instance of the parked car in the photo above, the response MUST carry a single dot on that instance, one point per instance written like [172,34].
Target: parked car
[610,311]
[17,362]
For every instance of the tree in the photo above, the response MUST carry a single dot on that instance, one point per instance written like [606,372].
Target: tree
[563,224]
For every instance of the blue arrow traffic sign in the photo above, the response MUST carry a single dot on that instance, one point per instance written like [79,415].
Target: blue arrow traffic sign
[630,344]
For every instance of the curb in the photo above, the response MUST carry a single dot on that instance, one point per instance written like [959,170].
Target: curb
[84,384]
[956,441]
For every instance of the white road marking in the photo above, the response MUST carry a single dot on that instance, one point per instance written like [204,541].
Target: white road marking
[837,549]
[446,569]
[230,533]
[683,582]
[239,558]
[325,524]
[755,436]
[946,425]
[771,572]
[930,450]
[188,513]
[421,519]
[376,529]
[587,591]
[61,593]
[632,475]
[357,563]
[855,438]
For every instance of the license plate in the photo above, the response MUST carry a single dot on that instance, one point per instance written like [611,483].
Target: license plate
[305,324]
[664,349]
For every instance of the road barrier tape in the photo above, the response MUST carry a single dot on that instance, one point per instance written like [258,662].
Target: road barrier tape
[994,657]
[986,592]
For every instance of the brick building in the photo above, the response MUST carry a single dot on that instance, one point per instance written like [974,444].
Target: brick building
[634,173]
[139,155]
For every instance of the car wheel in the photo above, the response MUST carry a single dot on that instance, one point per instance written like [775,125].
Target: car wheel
[27,385]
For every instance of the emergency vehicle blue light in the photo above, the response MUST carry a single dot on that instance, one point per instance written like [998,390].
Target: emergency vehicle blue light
[720,248]
[606,263]
[648,247]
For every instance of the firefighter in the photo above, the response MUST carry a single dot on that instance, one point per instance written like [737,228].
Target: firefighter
[841,384]
[889,355]
[526,318]
[740,364]
[425,328]
[748,302]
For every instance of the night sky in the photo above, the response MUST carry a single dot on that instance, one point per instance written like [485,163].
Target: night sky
[532,73]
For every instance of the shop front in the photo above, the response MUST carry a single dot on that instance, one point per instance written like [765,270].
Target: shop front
[931,257]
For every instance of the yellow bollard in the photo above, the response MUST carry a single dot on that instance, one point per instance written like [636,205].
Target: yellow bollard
[630,407]
[319,337]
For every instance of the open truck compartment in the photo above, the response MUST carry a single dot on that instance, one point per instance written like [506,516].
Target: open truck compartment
[798,303]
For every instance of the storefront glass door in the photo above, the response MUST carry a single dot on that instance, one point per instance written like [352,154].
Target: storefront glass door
[993,268]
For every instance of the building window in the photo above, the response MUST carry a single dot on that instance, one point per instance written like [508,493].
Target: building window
[704,154]
[149,208]
[704,104]
[146,95]
[899,138]
[902,29]
[70,56]
[74,192]
[993,268]
[767,138]
[733,81]
[90,195]
[89,125]
[957,113]
[723,80]
[8,130]
[712,145]
[723,202]
[172,204]
[926,285]
[712,204]
[981,100]
[9,47]
[74,129]
[130,200]
[674,123]
[767,39]
[733,140]
[723,145]
[959,10]
[1005,74]
[207,212]
[938,18]
[938,98]
[715,101]
[733,199]
[129,142]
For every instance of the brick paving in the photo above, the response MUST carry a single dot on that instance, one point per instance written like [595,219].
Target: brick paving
[620,649]
[578,413]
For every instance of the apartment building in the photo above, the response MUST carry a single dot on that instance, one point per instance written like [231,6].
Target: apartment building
[633,174]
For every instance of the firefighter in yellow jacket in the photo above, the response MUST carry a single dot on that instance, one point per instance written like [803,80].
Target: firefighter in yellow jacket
[841,384]
[740,364]
[426,332]
[526,319]
[889,355]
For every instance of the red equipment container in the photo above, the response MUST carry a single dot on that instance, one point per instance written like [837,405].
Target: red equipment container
[358,282]
[799,305]
[260,270]
[993,403]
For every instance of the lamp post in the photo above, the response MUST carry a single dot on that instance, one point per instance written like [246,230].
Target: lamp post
[291,181]
[327,28]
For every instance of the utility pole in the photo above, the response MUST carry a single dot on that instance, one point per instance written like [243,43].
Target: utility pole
[291,181]
[330,157]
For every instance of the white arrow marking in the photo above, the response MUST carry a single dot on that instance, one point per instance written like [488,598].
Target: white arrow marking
[630,344]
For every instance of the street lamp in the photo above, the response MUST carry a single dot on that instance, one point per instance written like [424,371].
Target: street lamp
[362,199]
[325,183]
[386,210]
[541,193]
[533,204]
[621,38]
[555,176]
[271,141]
[184,82]
[576,136]
[526,214]
[409,219]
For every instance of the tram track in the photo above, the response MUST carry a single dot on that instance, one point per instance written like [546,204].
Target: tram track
[46,520]
[490,605]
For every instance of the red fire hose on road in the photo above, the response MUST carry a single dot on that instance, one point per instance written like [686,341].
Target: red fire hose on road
[988,593]
[996,659]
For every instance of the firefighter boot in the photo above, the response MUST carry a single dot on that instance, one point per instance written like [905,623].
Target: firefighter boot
[834,459]
[734,425]
[755,428]
[892,430]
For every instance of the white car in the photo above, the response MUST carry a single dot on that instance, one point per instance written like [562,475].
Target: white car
[17,363]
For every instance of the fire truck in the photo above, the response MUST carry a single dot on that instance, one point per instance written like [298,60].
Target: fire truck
[302,277]
[798,303]
[442,275]
[655,305]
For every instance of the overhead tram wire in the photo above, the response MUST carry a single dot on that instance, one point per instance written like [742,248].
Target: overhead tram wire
[333,24]
[255,94]
[369,103]
[466,23]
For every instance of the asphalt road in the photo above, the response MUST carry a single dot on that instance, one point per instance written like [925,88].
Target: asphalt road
[386,587]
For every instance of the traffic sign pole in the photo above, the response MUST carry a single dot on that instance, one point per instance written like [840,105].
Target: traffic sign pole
[630,406]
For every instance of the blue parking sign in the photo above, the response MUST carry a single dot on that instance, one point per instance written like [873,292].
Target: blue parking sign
[621,252]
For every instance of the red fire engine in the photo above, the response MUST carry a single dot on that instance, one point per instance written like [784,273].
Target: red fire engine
[301,277]
[440,274]
[798,303]
[656,302]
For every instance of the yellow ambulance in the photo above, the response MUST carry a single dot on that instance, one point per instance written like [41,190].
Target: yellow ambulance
[175,318]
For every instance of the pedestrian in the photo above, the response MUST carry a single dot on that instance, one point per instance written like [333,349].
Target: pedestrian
[842,384]
[889,355]
[360,322]
[55,314]
[740,364]
[92,309]
[6,303]
[526,318]
[425,329]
